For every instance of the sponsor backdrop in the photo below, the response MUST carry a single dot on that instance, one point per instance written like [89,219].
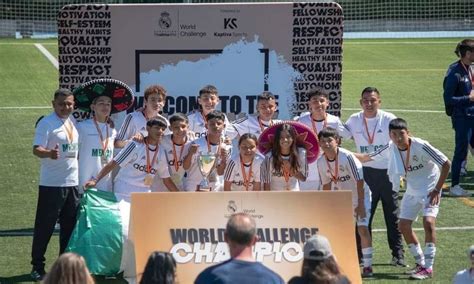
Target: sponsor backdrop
[242,49]
[191,226]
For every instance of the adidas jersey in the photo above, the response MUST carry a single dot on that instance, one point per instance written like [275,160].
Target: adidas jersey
[91,152]
[181,152]
[233,173]
[276,179]
[135,122]
[250,124]
[198,125]
[378,127]
[49,132]
[331,121]
[132,161]
[425,162]
[193,174]
[350,171]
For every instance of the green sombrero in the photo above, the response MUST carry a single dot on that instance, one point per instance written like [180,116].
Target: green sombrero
[121,94]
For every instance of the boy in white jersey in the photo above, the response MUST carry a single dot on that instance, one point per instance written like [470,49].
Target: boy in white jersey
[266,108]
[425,169]
[212,142]
[134,125]
[176,146]
[369,129]
[56,144]
[208,100]
[339,169]
[242,172]
[317,119]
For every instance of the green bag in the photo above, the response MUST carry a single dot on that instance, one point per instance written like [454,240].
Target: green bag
[98,233]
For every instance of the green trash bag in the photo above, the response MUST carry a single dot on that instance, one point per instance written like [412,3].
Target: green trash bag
[98,233]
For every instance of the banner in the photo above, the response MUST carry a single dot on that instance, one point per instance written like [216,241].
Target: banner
[191,226]
[242,49]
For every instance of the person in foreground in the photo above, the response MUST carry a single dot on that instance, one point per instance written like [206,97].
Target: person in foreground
[319,264]
[69,268]
[466,276]
[240,235]
[159,269]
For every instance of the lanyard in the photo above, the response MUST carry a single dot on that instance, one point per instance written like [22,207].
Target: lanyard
[103,144]
[468,71]
[315,127]
[406,163]
[176,159]
[68,128]
[209,145]
[370,138]
[244,174]
[262,126]
[148,164]
[335,176]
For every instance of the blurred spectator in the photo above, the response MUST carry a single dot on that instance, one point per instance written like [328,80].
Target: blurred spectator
[69,268]
[466,276]
[160,269]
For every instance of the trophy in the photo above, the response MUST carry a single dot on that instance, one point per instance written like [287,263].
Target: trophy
[206,162]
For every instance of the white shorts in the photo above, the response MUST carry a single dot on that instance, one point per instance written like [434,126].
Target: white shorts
[310,185]
[411,206]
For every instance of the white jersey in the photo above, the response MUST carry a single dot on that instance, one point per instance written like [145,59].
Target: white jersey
[250,124]
[181,152]
[423,170]
[194,176]
[233,173]
[51,131]
[377,127]
[313,182]
[135,122]
[349,172]
[276,179]
[133,162]
[197,124]
[91,152]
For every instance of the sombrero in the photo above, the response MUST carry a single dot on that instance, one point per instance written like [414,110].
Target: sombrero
[305,138]
[121,94]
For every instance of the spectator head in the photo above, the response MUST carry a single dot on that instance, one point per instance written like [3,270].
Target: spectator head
[159,269]
[241,231]
[69,268]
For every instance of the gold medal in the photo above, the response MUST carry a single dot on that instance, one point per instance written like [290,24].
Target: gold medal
[148,181]
[403,183]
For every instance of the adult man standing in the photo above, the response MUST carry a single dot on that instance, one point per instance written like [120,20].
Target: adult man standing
[241,236]
[459,102]
[369,129]
[56,144]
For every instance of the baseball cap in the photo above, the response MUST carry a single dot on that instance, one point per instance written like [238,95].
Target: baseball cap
[317,248]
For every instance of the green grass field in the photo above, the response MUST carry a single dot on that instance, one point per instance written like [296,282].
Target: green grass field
[409,74]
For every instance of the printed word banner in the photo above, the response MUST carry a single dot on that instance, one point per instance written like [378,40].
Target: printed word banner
[191,226]
[242,49]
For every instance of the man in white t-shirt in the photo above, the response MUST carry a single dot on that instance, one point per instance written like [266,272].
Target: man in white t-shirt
[56,144]
[466,276]
[369,129]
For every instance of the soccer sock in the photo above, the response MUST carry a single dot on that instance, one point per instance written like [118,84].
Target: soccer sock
[430,251]
[417,253]
[367,256]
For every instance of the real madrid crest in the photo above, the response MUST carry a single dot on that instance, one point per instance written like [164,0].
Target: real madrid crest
[165,20]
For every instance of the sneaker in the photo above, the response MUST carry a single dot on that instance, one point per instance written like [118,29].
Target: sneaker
[398,261]
[423,274]
[457,190]
[367,272]
[37,274]
[414,270]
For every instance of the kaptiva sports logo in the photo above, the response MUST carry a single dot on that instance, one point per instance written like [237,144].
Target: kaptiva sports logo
[230,23]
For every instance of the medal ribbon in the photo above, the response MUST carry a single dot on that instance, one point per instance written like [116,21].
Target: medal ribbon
[148,164]
[68,128]
[209,145]
[244,174]
[370,138]
[103,144]
[315,127]
[335,176]
[468,71]
[262,127]
[176,159]
[406,163]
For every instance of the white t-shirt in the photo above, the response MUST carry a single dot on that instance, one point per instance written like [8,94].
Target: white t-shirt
[181,152]
[51,130]
[91,152]
[194,176]
[250,124]
[425,163]
[233,173]
[197,124]
[132,161]
[331,121]
[377,127]
[276,179]
[135,122]
[349,172]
